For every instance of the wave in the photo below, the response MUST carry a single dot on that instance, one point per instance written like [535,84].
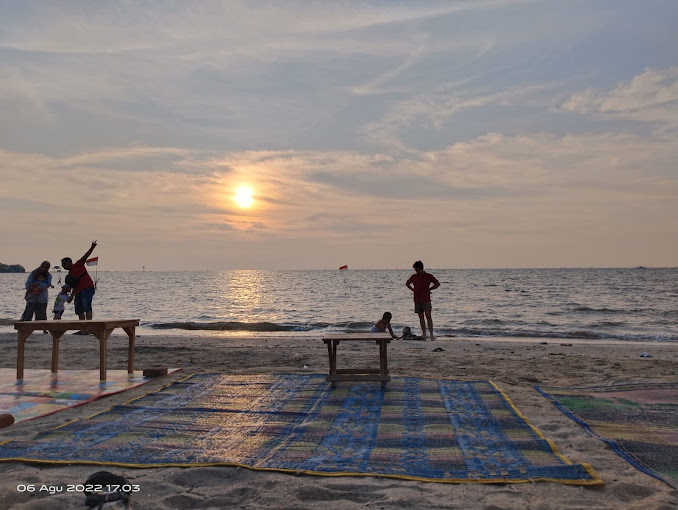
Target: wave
[485,328]
[589,333]
[260,326]
[589,309]
[569,334]
[228,326]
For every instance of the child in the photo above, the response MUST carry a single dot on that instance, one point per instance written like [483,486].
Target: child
[383,324]
[60,302]
[408,335]
[34,288]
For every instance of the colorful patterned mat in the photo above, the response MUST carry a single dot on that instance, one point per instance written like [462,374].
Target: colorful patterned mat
[41,392]
[639,421]
[418,429]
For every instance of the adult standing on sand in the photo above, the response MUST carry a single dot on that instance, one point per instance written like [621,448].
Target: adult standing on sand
[83,286]
[420,284]
[37,284]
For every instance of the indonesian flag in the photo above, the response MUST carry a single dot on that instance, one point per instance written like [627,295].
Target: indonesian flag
[343,267]
[93,261]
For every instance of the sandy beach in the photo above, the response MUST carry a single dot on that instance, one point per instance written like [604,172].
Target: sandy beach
[516,365]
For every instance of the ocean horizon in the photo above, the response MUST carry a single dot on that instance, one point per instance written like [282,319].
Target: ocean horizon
[638,303]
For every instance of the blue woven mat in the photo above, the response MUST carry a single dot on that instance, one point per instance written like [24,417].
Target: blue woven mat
[638,420]
[420,429]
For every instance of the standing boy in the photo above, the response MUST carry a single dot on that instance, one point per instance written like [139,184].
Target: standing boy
[420,284]
[83,286]
[60,302]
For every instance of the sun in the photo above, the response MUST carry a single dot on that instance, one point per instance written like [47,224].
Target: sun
[243,197]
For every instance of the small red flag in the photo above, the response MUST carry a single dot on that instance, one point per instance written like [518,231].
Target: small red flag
[343,267]
[93,261]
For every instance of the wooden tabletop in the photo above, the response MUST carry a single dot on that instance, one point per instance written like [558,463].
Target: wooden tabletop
[65,325]
[356,336]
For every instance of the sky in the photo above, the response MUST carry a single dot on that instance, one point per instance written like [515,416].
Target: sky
[463,133]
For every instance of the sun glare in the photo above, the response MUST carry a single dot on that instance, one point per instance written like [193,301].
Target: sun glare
[243,197]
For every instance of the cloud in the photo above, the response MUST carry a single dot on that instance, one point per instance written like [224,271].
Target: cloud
[188,30]
[297,190]
[435,108]
[504,187]
[651,96]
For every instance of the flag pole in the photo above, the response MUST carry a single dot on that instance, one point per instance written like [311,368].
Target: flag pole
[94,261]
[348,277]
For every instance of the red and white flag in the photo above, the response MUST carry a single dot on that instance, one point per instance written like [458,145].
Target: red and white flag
[93,261]
[343,267]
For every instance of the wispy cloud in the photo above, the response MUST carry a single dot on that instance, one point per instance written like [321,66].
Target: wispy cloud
[651,96]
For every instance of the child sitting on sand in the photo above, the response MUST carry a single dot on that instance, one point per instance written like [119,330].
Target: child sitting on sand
[408,335]
[60,302]
[383,324]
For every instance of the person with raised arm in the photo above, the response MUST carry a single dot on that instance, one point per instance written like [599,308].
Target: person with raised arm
[83,285]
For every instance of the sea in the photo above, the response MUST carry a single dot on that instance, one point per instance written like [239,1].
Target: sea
[635,304]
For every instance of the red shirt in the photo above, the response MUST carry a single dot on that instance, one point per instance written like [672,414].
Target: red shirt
[421,283]
[78,270]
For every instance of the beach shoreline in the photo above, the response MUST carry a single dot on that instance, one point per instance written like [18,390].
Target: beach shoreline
[516,365]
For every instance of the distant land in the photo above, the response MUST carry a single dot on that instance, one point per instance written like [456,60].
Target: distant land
[13,268]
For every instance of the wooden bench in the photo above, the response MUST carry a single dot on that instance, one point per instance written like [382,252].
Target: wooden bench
[101,329]
[358,374]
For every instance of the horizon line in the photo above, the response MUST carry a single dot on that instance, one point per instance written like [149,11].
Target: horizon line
[517,268]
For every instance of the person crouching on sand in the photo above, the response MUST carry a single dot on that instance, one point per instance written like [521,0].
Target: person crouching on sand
[383,324]
[408,335]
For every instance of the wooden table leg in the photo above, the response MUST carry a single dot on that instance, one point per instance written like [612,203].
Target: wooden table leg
[381,357]
[381,361]
[56,335]
[329,355]
[332,353]
[130,350]
[334,357]
[102,335]
[21,336]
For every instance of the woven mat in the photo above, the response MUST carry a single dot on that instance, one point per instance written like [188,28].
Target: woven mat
[419,429]
[639,421]
[42,392]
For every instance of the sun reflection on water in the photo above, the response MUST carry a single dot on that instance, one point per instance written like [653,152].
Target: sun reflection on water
[241,292]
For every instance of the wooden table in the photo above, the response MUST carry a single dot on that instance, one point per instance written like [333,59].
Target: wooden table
[358,374]
[101,329]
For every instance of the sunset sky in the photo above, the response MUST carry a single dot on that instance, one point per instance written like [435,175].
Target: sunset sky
[467,134]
